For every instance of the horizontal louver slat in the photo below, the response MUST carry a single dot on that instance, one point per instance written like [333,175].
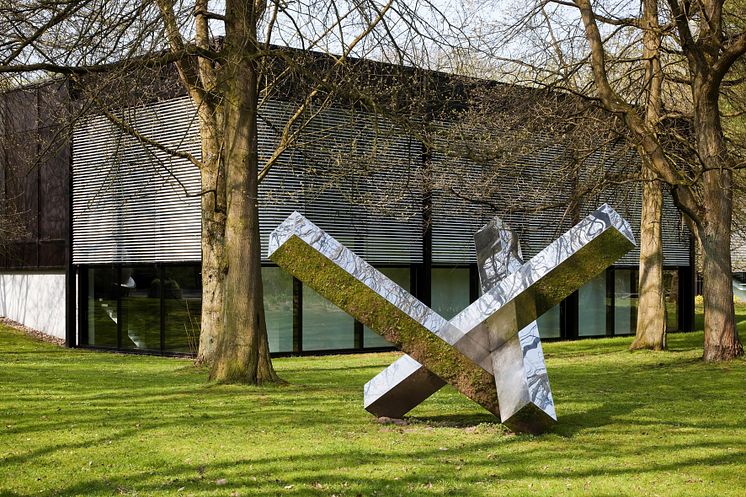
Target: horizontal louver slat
[455,219]
[133,203]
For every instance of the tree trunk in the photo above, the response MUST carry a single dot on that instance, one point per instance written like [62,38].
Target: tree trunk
[243,348]
[651,309]
[213,271]
[721,336]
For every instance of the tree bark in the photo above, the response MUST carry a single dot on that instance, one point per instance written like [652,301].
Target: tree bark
[651,309]
[710,215]
[243,349]
[213,271]
[721,336]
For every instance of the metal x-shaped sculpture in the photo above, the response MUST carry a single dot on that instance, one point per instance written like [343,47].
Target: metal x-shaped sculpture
[520,376]
[485,351]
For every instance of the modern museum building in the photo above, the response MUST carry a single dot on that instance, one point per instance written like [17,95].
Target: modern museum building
[109,256]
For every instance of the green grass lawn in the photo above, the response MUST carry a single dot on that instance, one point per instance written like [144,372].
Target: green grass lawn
[76,422]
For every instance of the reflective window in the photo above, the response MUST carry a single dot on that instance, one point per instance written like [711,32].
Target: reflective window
[102,307]
[592,307]
[450,291]
[739,285]
[549,323]
[625,301]
[278,308]
[325,326]
[671,285]
[182,302]
[400,276]
[140,288]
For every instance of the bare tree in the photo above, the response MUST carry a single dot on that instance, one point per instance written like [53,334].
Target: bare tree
[661,67]
[230,56]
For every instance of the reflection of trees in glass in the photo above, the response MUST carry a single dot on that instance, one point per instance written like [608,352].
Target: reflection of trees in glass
[278,308]
[141,310]
[102,307]
[182,298]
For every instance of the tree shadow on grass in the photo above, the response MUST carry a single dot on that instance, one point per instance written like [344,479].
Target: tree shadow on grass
[572,424]
[355,471]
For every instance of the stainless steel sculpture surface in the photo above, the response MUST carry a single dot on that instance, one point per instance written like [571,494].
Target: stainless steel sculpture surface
[491,348]
[520,376]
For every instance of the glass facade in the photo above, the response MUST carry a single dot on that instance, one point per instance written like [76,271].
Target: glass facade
[671,285]
[103,297]
[325,326]
[550,325]
[157,308]
[182,302]
[140,319]
[450,290]
[626,296]
[278,308]
[592,307]
[625,301]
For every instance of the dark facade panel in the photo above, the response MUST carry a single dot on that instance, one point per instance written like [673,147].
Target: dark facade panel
[21,110]
[52,253]
[21,179]
[34,175]
[23,255]
[53,183]
[3,162]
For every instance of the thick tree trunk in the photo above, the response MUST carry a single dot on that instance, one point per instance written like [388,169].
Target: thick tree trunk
[243,348]
[721,336]
[213,271]
[651,310]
